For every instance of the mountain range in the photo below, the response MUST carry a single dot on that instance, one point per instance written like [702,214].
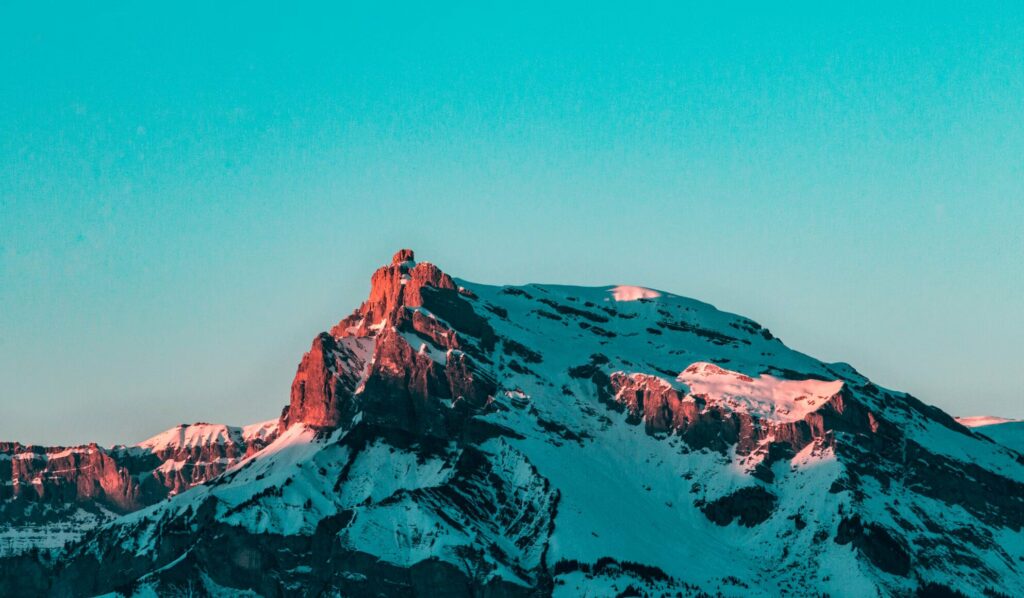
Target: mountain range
[449,438]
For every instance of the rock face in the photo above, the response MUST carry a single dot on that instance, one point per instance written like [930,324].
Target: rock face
[451,438]
[51,494]
[393,287]
[325,384]
[68,474]
[370,353]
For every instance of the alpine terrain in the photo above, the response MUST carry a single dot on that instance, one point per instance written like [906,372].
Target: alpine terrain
[449,438]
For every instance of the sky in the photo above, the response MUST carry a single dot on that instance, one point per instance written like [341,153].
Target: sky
[189,193]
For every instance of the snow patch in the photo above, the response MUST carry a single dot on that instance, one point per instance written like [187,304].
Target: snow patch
[767,397]
[260,431]
[191,436]
[631,293]
[976,421]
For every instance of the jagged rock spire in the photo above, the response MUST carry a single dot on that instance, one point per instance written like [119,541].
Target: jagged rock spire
[368,352]
[398,284]
[404,256]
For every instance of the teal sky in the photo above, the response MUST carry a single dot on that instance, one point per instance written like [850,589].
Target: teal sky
[188,194]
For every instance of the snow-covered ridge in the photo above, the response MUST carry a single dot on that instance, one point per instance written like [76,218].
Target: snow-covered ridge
[1007,432]
[977,421]
[203,434]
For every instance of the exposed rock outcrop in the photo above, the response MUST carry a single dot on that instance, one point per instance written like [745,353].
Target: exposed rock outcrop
[401,359]
[41,488]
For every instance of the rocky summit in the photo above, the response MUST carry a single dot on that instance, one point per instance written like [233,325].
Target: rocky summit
[450,438]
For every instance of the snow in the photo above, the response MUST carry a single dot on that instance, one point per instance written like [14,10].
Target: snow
[629,472]
[963,447]
[628,495]
[631,293]
[1008,433]
[380,470]
[278,465]
[215,590]
[282,464]
[172,465]
[199,435]
[403,533]
[149,587]
[30,455]
[260,431]
[70,451]
[423,347]
[52,535]
[766,396]
[191,436]
[977,421]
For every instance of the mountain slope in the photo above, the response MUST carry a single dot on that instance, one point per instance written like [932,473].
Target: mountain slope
[463,439]
[1007,432]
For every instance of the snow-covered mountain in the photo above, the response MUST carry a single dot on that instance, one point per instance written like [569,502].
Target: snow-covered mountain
[1007,432]
[451,438]
[52,495]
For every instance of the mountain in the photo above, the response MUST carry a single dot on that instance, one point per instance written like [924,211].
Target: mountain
[459,439]
[52,495]
[1007,432]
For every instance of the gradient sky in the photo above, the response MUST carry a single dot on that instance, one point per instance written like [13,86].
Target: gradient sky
[188,193]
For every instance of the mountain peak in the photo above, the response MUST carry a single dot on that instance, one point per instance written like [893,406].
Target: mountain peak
[393,286]
[381,342]
[403,256]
